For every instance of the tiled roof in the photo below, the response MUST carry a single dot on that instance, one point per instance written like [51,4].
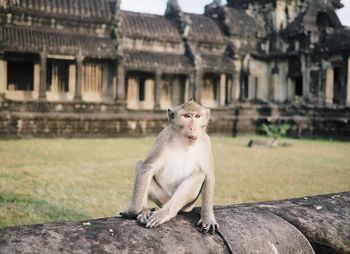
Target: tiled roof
[205,29]
[306,19]
[34,40]
[239,23]
[150,61]
[245,3]
[217,63]
[148,26]
[82,9]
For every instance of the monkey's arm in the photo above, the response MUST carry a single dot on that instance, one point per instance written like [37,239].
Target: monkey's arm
[145,171]
[207,220]
[144,174]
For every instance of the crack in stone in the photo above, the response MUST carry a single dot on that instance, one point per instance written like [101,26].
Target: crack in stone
[227,244]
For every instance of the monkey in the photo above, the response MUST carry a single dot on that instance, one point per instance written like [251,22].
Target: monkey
[178,169]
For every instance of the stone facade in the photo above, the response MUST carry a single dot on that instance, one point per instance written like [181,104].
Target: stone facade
[88,59]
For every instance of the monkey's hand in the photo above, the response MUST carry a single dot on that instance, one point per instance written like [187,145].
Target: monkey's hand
[144,216]
[158,217]
[208,224]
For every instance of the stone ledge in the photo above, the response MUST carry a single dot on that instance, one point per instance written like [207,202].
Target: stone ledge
[317,224]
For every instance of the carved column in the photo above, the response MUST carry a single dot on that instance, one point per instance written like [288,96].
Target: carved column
[235,88]
[187,92]
[222,90]
[157,87]
[348,85]
[197,85]
[306,77]
[121,96]
[43,75]
[329,85]
[79,78]
[3,77]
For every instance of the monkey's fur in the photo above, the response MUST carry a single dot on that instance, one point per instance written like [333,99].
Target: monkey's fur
[177,170]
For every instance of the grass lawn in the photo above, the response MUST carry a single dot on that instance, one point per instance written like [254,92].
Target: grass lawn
[44,180]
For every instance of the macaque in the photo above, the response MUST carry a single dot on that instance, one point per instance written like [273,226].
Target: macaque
[178,169]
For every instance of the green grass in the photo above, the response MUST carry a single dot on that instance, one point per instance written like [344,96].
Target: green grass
[43,180]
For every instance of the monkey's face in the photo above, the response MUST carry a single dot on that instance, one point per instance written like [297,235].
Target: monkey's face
[191,125]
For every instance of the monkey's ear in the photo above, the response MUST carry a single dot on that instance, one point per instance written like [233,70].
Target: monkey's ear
[171,115]
[207,113]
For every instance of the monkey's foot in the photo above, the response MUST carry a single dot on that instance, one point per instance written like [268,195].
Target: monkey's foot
[157,218]
[208,225]
[144,216]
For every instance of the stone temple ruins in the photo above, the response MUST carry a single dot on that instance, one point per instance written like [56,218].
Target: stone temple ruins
[86,67]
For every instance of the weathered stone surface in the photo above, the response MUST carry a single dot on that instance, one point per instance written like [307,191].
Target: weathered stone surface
[287,226]
[112,235]
[250,230]
[88,120]
[324,220]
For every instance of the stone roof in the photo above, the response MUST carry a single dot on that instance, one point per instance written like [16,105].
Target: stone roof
[204,29]
[337,42]
[307,19]
[216,63]
[149,61]
[245,3]
[149,26]
[26,39]
[238,22]
[76,9]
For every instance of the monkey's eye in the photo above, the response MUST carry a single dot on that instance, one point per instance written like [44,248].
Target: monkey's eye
[197,116]
[187,115]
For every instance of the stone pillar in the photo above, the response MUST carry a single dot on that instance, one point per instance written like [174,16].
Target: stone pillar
[329,93]
[274,87]
[157,87]
[191,86]
[149,101]
[197,86]
[36,81]
[306,77]
[222,90]
[188,93]
[290,90]
[252,93]
[228,98]
[79,78]
[43,76]
[348,85]
[121,96]
[3,77]
[72,80]
[235,88]
[284,81]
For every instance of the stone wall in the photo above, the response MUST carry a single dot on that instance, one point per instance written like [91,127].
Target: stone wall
[317,224]
[43,119]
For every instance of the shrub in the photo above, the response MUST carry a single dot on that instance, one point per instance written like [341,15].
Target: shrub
[275,131]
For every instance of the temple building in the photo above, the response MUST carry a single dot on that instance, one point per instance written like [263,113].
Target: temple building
[74,59]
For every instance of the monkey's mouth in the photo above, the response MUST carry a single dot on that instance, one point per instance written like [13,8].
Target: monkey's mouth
[192,138]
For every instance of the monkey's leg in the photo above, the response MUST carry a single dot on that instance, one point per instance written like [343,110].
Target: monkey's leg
[158,195]
[186,193]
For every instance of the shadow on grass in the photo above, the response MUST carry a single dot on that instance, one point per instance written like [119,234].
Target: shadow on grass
[28,210]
